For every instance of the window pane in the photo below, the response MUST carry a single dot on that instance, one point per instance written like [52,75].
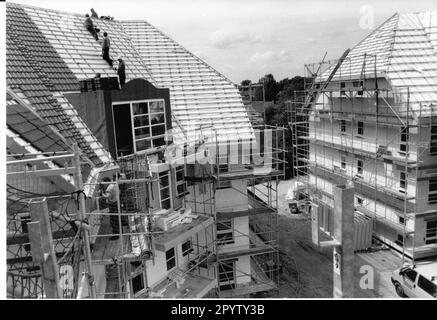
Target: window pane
[166,204]
[411,274]
[224,225]
[158,130]
[141,121]
[163,180]
[142,133]
[157,118]
[156,106]
[138,283]
[142,145]
[165,193]
[140,108]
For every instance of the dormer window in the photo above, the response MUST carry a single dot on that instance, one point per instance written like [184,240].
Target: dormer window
[139,125]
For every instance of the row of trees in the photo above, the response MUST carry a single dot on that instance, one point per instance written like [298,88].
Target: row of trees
[276,114]
[279,93]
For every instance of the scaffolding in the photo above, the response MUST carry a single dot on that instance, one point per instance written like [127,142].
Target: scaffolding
[95,239]
[333,94]
[226,170]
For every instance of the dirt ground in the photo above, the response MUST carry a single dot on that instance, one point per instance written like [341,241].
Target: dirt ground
[308,270]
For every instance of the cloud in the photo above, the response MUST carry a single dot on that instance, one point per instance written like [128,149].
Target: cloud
[227,39]
[268,56]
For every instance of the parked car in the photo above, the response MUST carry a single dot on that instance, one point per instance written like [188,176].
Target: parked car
[416,281]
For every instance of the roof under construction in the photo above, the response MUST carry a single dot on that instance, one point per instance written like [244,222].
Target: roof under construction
[49,51]
[405,47]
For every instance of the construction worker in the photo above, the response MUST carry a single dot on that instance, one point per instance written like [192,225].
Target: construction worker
[89,25]
[112,195]
[94,14]
[121,71]
[105,49]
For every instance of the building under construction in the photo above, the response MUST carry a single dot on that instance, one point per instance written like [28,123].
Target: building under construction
[194,214]
[369,119]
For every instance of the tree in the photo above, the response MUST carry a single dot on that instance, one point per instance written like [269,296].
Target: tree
[270,88]
[246,82]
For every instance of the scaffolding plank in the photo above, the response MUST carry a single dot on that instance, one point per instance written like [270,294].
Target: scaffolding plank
[242,213]
[241,291]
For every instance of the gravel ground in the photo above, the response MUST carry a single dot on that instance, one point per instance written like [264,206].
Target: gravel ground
[308,269]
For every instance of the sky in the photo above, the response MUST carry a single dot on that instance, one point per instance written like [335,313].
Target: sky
[246,39]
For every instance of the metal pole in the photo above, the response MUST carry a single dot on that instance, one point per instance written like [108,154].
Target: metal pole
[82,217]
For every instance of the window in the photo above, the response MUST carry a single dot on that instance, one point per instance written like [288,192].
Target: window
[137,276]
[411,275]
[402,181]
[359,167]
[432,194]
[431,232]
[164,190]
[225,232]
[433,140]
[227,275]
[181,185]
[360,128]
[360,201]
[404,140]
[170,258]
[427,286]
[401,220]
[139,125]
[400,240]
[388,169]
[343,162]
[342,125]
[223,168]
[187,247]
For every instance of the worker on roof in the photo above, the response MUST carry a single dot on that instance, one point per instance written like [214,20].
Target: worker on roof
[121,70]
[105,49]
[94,14]
[89,25]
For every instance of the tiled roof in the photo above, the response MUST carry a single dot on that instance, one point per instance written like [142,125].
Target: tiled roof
[64,52]
[32,128]
[38,75]
[406,54]
[199,94]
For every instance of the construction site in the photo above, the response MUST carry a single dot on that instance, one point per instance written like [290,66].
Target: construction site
[171,185]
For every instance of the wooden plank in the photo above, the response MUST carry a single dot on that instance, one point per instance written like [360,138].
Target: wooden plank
[245,252]
[39,212]
[247,290]
[242,213]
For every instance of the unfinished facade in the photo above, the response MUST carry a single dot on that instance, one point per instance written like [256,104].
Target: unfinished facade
[197,181]
[370,119]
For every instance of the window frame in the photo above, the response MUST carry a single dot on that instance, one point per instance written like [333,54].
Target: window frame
[360,168]
[167,259]
[343,126]
[188,250]
[180,182]
[402,181]
[228,231]
[161,188]
[360,127]
[150,126]
[432,193]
